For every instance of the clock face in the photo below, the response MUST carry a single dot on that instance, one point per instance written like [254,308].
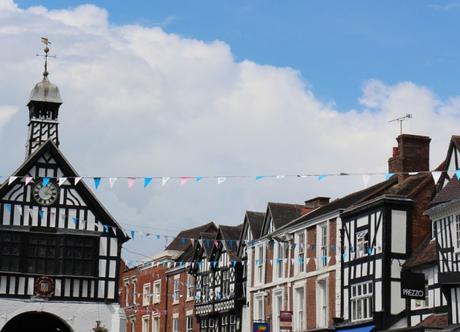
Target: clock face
[45,195]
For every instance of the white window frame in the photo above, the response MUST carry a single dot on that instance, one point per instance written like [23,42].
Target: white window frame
[259,315]
[134,291]
[175,324]
[360,300]
[156,291]
[299,309]
[322,303]
[127,293]
[457,233]
[146,320]
[260,263]
[176,289]
[156,323]
[276,315]
[323,245]
[278,261]
[190,287]
[133,325]
[146,294]
[361,244]
[189,323]
[300,252]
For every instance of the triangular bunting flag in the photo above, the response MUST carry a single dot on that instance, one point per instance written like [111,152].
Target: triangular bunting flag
[164,180]
[147,182]
[28,180]
[321,177]
[278,177]
[184,180]
[74,220]
[198,178]
[412,173]
[12,179]
[106,228]
[259,177]
[221,179]
[388,175]
[131,182]
[97,182]
[366,179]
[19,208]
[112,182]
[61,181]
[132,234]
[76,180]
[8,207]
[40,214]
[436,175]
[457,173]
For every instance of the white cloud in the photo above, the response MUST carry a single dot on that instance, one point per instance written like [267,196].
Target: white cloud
[141,101]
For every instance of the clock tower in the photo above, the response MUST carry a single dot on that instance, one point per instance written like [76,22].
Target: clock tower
[43,105]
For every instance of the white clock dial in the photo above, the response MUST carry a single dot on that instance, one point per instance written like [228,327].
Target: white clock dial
[45,195]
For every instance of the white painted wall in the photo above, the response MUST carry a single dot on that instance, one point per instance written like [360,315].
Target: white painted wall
[81,316]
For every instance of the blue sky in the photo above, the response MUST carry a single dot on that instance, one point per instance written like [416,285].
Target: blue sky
[336,45]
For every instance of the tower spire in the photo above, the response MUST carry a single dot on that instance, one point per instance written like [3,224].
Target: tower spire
[43,105]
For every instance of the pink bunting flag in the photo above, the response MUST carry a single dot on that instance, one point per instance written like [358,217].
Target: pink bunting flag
[28,180]
[184,179]
[131,182]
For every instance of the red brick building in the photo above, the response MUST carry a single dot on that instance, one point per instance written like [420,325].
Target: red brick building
[158,295]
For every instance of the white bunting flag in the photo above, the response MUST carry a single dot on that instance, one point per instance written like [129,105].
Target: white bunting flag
[112,182]
[221,179]
[412,173]
[28,180]
[114,229]
[436,175]
[279,177]
[19,208]
[76,180]
[164,180]
[61,181]
[12,179]
[366,179]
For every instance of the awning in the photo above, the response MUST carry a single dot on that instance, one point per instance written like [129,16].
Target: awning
[367,328]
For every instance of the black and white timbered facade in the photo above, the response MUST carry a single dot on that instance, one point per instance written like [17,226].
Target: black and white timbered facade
[60,248]
[218,273]
[444,213]
[375,244]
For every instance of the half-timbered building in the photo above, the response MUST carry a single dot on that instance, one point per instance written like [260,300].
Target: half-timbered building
[444,213]
[380,234]
[218,276]
[60,248]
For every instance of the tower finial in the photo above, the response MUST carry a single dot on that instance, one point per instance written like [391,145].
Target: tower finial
[45,41]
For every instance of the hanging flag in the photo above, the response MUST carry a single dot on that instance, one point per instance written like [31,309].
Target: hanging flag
[436,175]
[132,234]
[19,208]
[76,180]
[221,179]
[278,177]
[412,173]
[321,177]
[198,178]
[259,177]
[12,179]
[45,181]
[131,182]
[61,181]
[106,228]
[184,180]
[366,179]
[147,181]
[97,182]
[158,236]
[74,219]
[8,207]
[388,175]
[112,182]
[28,180]
[40,214]
[457,173]
[164,180]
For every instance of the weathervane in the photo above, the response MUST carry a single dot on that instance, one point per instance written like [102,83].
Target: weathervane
[401,120]
[45,41]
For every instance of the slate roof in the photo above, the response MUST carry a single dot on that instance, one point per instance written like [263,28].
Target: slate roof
[192,233]
[256,221]
[451,191]
[284,213]
[231,234]
[425,254]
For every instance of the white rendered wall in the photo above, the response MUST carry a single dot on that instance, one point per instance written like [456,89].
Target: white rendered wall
[80,316]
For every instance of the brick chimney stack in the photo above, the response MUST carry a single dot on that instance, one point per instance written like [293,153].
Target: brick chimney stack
[411,155]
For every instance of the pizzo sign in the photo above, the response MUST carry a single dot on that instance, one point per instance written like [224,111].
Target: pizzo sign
[413,285]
